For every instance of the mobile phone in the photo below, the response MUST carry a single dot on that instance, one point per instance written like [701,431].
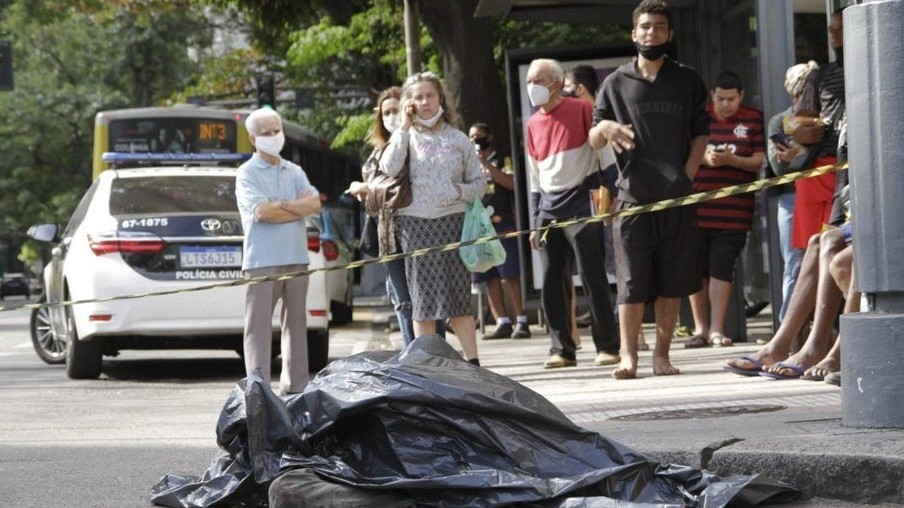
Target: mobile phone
[779,141]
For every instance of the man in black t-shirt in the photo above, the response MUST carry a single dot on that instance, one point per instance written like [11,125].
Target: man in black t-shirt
[653,112]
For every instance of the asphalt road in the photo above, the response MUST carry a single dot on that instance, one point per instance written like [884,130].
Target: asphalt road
[104,443]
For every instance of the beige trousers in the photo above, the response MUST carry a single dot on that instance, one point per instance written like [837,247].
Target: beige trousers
[260,300]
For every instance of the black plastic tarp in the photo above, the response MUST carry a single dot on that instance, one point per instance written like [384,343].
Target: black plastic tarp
[426,424]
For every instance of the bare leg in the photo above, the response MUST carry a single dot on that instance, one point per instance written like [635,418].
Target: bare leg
[514,287]
[842,271]
[496,299]
[700,307]
[424,328]
[828,301]
[630,316]
[642,341]
[666,316]
[467,337]
[801,305]
[719,296]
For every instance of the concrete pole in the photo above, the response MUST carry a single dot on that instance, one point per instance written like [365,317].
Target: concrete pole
[873,381]
[412,37]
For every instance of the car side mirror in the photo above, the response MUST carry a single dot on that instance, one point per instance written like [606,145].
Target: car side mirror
[45,232]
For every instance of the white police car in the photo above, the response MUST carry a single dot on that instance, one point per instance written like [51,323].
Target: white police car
[147,230]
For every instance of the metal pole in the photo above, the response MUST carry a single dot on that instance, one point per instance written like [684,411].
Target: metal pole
[412,37]
[872,393]
[775,49]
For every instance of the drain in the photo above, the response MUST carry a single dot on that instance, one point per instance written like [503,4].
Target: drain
[697,413]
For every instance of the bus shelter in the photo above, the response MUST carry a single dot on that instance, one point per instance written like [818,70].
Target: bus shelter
[757,39]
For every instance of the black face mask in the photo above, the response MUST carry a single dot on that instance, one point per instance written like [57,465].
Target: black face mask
[481,143]
[653,52]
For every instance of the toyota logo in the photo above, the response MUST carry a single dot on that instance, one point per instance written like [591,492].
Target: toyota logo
[211,225]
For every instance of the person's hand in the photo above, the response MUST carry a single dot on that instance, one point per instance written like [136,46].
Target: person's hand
[534,240]
[358,189]
[809,133]
[715,157]
[620,136]
[408,113]
[787,154]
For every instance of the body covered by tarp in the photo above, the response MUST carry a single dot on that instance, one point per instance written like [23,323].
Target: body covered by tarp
[439,431]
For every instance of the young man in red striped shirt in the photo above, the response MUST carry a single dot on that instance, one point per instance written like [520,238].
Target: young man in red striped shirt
[733,156]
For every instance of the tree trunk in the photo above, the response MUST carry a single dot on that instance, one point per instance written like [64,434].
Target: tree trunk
[473,83]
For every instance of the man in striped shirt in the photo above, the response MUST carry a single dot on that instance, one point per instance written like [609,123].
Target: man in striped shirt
[563,168]
[733,156]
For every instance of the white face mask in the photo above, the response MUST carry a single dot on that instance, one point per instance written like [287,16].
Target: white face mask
[538,94]
[270,145]
[392,122]
[430,122]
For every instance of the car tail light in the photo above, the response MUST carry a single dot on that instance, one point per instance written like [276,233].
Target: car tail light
[313,242]
[138,243]
[100,317]
[317,312]
[330,250]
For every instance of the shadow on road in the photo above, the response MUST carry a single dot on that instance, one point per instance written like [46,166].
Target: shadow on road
[175,370]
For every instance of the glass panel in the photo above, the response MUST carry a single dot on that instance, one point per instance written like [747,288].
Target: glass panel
[173,194]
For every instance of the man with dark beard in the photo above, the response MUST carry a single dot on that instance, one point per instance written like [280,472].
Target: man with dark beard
[653,113]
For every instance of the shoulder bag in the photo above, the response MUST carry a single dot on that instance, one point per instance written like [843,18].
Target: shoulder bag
[386,192]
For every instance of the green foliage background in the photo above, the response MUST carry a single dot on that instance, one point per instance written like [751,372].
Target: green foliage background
[74,58]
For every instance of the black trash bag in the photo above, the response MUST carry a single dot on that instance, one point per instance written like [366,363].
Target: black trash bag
[437,430]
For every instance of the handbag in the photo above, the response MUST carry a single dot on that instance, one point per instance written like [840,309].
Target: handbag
[369,243]
[477,224]
[386,192]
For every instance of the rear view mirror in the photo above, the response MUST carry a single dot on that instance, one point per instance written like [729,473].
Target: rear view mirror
[44,232]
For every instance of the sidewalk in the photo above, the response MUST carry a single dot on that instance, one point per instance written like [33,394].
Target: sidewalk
[707,418]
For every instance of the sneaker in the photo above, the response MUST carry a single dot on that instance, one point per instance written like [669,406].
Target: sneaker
[503,331]
[558,361]
[606,359]
[522,331]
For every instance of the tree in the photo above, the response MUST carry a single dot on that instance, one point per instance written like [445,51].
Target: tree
[465,44]
[343,46]
[74,58]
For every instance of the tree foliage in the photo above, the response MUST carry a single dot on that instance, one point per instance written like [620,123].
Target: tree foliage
[71,60]
[349,49]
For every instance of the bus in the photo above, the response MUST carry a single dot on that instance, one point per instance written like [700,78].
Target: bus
[198,129]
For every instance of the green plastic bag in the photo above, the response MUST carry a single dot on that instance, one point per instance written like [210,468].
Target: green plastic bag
[481,257]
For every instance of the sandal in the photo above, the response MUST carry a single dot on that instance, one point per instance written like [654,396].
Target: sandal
[720,340]
[696,342]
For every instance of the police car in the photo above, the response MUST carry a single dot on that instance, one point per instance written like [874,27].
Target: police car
[147,230]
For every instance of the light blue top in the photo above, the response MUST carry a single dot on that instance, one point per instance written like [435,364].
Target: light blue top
[269,243]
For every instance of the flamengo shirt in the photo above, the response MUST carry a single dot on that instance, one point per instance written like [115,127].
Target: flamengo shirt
[741,134]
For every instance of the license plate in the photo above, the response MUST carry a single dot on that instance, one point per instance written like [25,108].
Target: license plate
[210,257]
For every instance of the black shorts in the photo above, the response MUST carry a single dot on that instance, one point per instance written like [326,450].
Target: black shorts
[719,249]
[656,254]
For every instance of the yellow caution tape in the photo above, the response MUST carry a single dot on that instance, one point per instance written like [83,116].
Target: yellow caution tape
[634,210]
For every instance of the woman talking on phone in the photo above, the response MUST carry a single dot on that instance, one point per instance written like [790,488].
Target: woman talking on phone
[387,118]
[445,176]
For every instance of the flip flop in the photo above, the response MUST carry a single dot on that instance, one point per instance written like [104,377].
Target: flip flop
[696,342]
[745,372]
[798,370]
